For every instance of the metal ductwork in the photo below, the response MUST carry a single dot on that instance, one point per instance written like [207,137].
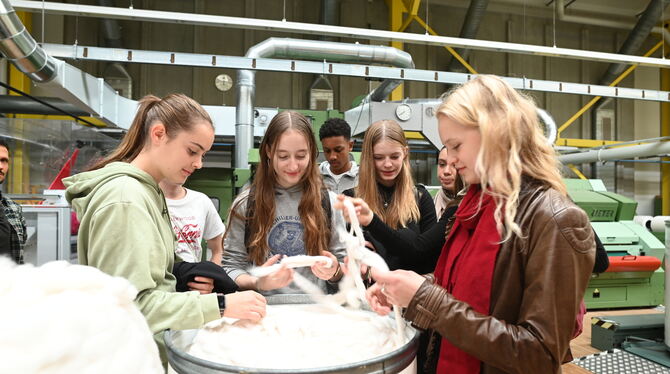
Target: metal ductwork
[469,30]
[631,45]
[89,94]
[598,155]
[602,20]
[111,31]
[330,15]
[110,27]
[21,49]
[637,36]
[305,50]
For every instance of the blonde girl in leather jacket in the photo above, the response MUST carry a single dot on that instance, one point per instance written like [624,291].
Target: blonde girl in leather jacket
[508,284]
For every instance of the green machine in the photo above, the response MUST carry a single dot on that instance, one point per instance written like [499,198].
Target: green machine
[217,184]
[611,216]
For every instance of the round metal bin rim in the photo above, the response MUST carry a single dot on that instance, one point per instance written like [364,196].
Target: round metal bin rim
[184,363]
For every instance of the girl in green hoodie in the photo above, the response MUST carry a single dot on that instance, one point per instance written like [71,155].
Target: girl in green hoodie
[125,227]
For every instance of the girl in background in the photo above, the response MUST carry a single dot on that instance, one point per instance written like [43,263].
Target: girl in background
[287,211]
[449,181]
[392,210]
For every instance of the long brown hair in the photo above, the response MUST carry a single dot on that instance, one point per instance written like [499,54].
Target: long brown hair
[177,112]
[316,230]
[403,207]
[512,144]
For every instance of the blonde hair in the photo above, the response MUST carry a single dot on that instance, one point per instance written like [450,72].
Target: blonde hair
[312,215]
[512,143]
[403,207]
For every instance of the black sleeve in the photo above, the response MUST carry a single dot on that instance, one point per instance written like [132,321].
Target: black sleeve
[6,236]
[187,271]
[602,261]
[426,208]
[349,192]
[409,244]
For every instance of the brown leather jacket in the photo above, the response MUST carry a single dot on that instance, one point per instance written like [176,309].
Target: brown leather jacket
[538,283]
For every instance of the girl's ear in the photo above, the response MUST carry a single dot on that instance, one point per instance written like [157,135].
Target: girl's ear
[157,133]
[406,152]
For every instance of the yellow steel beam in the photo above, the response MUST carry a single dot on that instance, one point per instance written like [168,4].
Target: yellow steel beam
[665,131]
[614,83]
[584,143]
[405,24]
[402,4]
[413,7]
[413,135]
[451,50]
[576,171]
[396,9]
[95,121]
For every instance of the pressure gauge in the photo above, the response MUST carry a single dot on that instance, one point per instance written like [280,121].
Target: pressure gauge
[403,112]
[223,82]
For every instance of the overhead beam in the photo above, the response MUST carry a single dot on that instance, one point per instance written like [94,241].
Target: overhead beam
[328,68]
[338,31]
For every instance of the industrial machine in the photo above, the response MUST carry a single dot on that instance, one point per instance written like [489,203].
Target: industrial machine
[48,228]
[635,277]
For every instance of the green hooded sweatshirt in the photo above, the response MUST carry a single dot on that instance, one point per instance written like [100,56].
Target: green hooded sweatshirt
[125,231]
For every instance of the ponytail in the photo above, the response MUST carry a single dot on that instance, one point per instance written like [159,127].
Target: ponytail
[176,112]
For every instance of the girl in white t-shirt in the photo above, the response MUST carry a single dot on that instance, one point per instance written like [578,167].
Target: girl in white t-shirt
[193,217]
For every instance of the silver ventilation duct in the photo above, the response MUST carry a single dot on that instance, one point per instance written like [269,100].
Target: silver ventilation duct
[305,50]
[20,48]
[636,37]
[469,29]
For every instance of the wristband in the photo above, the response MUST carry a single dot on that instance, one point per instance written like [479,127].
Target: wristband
[221,298]
[334,278]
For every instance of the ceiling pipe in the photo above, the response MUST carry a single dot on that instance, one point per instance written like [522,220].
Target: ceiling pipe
[19,47]
[604,22]
[636,37]
[306,50]
[339,31]
[25,105]
[632,44]
[598,155]
[111,31]
[473,18]
[330,15]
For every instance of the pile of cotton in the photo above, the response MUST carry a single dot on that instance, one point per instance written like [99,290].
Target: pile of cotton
[298,337]
[63,318]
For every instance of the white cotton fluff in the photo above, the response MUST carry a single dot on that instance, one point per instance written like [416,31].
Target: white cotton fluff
[63,318]
[294,337]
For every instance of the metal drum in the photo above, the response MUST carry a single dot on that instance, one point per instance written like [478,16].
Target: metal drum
[178,343]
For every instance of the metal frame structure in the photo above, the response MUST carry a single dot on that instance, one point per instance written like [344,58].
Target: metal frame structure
[328,30]
[331,68]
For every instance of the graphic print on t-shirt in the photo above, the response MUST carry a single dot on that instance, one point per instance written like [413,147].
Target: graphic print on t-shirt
[286,237]
[189,235]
